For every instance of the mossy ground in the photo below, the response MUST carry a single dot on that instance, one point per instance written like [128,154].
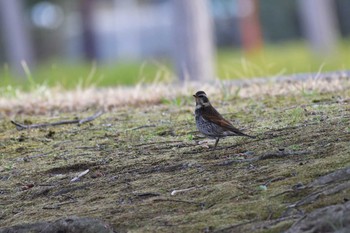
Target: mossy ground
[138,155]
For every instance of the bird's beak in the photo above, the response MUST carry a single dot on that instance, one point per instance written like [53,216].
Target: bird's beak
[195,96]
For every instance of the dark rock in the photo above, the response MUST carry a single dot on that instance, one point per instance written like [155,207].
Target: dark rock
[335,218]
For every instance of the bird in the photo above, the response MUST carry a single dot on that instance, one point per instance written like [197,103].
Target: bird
[210,122]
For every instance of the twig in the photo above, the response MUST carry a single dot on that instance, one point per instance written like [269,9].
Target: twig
[176,200]
[80,175]
[43,125]
[282,193]
[90,118]
[143,126]
[181,190]
[147,195]
[274,179]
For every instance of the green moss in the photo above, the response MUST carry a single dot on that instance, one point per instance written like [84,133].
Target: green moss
[137,157]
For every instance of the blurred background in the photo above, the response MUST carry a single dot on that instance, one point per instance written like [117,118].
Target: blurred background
[123,42]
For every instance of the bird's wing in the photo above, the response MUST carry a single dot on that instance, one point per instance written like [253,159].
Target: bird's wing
[210,114]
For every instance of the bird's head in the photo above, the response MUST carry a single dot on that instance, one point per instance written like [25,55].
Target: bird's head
[201,99]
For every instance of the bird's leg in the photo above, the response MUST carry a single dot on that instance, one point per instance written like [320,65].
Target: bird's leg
[216,142]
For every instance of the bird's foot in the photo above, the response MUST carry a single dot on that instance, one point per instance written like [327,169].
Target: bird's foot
[208,144]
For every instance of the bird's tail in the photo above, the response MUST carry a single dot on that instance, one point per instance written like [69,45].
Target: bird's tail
[239,133]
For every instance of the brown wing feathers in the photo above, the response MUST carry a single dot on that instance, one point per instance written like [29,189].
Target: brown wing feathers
[210,114]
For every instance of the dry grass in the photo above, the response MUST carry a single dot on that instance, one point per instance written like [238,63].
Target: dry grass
[44,99]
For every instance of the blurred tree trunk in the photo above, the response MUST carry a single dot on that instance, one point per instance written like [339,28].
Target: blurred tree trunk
[193,40]
[320,25]
[89,39]
[16,36]
[249,25]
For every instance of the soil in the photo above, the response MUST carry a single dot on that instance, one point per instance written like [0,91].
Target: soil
[147,169]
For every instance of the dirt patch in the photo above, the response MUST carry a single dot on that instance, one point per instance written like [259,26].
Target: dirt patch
[67,225]
[148,170]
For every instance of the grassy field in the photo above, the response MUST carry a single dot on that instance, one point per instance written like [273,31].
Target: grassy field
[149,170]
[274,60]
[282,59]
